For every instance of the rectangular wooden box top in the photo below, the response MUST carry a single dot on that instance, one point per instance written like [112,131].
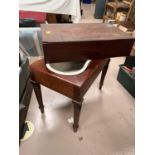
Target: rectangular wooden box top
[76,42]
[81,32]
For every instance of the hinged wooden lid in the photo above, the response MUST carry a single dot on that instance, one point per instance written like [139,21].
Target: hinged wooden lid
[75,42]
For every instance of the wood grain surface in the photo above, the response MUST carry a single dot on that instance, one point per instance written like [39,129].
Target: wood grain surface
[76,42]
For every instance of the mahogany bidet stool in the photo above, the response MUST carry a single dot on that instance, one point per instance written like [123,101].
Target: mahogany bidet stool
[74,86]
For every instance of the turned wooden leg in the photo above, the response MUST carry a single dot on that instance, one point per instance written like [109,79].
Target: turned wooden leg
[104,71]
[37,90]
[77,109]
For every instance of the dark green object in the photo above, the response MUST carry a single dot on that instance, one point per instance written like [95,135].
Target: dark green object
[25,91]
[27,22]
[99,9]
[24,74]
[130,62]
[127,81]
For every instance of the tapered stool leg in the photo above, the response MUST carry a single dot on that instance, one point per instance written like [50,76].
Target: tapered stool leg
[37,90]
[104,71]
[77,109]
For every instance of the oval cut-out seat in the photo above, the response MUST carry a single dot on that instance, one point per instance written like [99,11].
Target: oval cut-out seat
[68,68]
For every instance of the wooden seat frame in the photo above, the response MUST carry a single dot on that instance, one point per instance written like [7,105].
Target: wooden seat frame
[73,87]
